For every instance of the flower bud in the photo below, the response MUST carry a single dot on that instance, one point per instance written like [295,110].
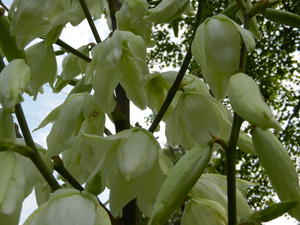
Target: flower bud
[181,178]
[70,207]
[278,166]
[247,102]
[216,48]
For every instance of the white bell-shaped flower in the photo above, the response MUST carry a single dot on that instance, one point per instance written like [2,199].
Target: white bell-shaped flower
[216,48]
[14,80]
[203,212]
[119,59]
[130,167]
[70,207]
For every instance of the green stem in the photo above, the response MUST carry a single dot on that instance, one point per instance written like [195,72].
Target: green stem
[58,165]
[72,50]
[230,165]
[35,156]
[185,64]
[90,20]
[231,150]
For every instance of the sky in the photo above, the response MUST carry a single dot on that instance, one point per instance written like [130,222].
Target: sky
[36,111]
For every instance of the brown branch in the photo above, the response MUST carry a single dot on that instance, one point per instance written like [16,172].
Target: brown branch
[185,64]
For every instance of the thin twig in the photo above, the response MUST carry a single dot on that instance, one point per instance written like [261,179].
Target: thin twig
[172,91]
[90,20]
[58,165]
[72,50]
[4,6]
[35,156]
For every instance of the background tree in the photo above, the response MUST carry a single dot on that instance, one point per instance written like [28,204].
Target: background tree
[274,64]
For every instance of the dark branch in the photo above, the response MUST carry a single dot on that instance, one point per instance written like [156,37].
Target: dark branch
[231,151]
[90,20]
[180,75]
[67,47]
[4,6]
[34,156]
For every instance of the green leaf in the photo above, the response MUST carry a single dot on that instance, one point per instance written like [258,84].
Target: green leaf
[14,79]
